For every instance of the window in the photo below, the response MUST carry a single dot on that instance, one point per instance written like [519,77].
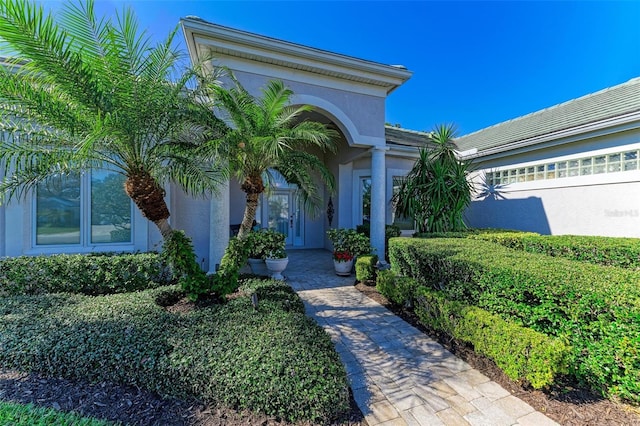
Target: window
[365,202]
[403,222]
[610,163]
[82,210]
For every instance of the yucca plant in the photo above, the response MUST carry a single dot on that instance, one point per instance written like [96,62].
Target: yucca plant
[436,191]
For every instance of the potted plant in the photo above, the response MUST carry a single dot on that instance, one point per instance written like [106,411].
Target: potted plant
[347,244]
[275,255]
[255,242]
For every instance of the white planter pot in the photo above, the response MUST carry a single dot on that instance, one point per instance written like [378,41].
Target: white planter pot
[258,267]
[343,268]
[276,266]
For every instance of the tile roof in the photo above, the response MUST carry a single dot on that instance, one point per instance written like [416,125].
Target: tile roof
[406,137]
[606,104]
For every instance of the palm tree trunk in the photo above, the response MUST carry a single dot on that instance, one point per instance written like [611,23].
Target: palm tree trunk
[253,187]
[148,196]
[249,215]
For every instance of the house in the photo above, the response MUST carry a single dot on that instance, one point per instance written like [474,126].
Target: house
[569,169]
[347,92]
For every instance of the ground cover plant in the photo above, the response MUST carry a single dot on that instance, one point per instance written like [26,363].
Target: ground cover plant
[595,308]
[272,359]
[29,415]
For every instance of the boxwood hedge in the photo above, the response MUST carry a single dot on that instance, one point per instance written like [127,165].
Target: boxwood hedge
[273,360]
[596,308]
[91,274]
[606,251]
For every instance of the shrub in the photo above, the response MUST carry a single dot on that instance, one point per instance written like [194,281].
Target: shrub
[366,268]
[606,251]
[522,353]
[178,253]
[273,360]
[93,274]
[265,243]
[399,290]
[347,243]
[596,308]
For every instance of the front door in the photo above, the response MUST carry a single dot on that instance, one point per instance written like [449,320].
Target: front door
[284,214]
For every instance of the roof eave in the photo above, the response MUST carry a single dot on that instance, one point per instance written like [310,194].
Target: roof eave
[240,43]
[611,125]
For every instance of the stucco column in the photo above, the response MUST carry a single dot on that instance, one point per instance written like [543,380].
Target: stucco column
[218,226]
[378,207]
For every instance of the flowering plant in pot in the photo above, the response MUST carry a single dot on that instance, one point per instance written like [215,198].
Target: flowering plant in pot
[347,244]
[276,257]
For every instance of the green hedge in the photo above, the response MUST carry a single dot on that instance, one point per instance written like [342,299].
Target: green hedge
[273,360]
[366,268]
[92,274]
[596,308]
[606,251]
[470,233]
[522,353]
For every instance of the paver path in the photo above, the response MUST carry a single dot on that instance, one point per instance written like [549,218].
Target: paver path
[399,376]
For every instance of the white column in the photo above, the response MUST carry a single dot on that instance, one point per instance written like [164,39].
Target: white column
[218,226]
[378,207]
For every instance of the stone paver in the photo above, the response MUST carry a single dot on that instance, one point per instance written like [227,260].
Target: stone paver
[398,375]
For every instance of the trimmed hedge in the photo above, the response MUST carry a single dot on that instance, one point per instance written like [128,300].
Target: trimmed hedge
[606,251]
[469,233]
[92,274]
[522,353]
[273,360]
[366,268]
[596,308]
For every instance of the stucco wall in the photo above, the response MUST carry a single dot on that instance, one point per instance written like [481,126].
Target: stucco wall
[606,204]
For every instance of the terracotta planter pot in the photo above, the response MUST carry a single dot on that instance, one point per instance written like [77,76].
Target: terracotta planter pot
[343,268]
[276,266]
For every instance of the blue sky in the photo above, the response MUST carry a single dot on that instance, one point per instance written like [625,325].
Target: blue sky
[475,63]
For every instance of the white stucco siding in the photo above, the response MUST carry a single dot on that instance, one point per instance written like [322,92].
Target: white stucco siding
[605,203]
[360,116]
[192,216]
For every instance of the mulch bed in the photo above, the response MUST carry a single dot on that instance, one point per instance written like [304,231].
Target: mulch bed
[567,405]
[132,406]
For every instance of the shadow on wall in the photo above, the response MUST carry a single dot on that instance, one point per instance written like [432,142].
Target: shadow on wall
[524,214]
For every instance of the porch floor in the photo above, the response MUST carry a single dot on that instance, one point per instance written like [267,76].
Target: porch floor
[399,376]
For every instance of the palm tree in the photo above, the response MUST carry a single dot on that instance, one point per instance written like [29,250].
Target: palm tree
[436,191]
[268,134]
[95,93]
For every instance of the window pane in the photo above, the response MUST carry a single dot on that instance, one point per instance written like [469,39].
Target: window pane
[600,164]
[58,211]
[585,166]
[631,160]
[403,222]
[366,199]
[614,163]
[110,208]
[551,171]
[539,172]
[562,169]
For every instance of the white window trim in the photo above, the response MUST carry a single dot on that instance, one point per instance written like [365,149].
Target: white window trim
[356,195]
[139,232]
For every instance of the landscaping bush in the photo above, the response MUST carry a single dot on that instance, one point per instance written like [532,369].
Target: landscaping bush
[86,274]
[470,232]
[522,353]
[596,308]
[607,251]
[273,360]
[399,290]
[366,268]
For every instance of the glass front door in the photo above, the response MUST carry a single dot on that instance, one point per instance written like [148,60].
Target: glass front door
[284,214]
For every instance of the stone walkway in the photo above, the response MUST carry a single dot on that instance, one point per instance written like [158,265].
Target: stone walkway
[399,376]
